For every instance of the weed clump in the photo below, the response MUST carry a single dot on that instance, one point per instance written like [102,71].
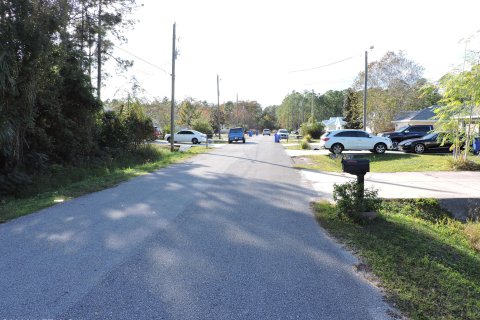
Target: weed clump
[352,205]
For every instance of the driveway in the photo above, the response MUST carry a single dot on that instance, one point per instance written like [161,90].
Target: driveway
[459,192]
[226,235]
[441,185]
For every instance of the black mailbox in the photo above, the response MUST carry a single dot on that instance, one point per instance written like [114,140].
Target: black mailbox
[358,167]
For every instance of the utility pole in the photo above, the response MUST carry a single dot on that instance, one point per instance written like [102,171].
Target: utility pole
[312,105]
[302,110]
[365,94]
[99,50]
[172,113]
[291,118]
[218,107]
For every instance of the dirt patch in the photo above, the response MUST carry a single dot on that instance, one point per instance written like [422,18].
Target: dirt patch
[303,161]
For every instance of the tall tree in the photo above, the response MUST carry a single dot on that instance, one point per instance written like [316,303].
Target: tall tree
[296,108]
[46,105]
[97,24]
[393,85]
[331,104]
[460,102]
[268,120]
[27,30]
[187,113]
[352,110]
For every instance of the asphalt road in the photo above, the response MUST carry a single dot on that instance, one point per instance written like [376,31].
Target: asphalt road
[226,235]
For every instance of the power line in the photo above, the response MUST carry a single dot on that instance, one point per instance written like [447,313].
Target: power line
[325,65]
[328,81]
[147,62]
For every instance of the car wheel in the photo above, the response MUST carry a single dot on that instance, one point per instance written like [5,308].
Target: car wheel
[168,139]
[229,141]
[194,140]
[394,145]
[243,140]
[336,148]
[380,148]
[419,148]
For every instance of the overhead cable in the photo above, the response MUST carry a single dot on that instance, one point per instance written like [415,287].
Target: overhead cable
[325,65]
[141,59]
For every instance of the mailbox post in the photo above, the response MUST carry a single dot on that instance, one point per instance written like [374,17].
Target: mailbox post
[358,167]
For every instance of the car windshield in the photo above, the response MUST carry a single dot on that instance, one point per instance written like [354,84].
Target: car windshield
[401,129]
[236,130]
[429,136]
[283,131]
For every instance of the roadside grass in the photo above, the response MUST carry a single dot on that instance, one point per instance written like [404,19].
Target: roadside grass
[429,268]
[294,147]
[388,162]
[65,183]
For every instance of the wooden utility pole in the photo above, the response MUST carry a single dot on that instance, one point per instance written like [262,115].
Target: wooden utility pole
[218,107]
[99,50]
[172,107]
[312,105]
[365,94]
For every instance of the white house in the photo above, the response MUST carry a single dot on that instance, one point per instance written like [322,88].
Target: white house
[334,123]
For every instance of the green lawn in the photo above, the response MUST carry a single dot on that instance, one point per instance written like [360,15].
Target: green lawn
[389,162]
[64,183]
[429,270]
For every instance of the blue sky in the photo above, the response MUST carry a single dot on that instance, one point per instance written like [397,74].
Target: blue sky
[254,45]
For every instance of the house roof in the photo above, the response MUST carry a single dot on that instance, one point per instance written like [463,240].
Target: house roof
[417,115]
[334,120]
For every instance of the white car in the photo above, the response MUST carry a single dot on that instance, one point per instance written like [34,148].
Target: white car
[350,139]
[188,136]
[283,133]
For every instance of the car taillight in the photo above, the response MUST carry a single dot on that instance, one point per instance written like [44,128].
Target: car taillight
[325,139]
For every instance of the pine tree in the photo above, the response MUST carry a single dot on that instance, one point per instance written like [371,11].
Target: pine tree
[352,110]
[188,113]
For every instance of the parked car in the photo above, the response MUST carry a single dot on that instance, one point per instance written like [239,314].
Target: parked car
[188,136]
[283,133]
[350,139]
[266,132]
[156,132]
[407,132]
[236,134]
[430,142]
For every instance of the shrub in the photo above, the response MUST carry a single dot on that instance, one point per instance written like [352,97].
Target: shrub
[112,132]
[472,231]
[127,129]
[13,183]
[350,204]
[305,145]
[308,138]
[315,129]
[464,165]
[203,126]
